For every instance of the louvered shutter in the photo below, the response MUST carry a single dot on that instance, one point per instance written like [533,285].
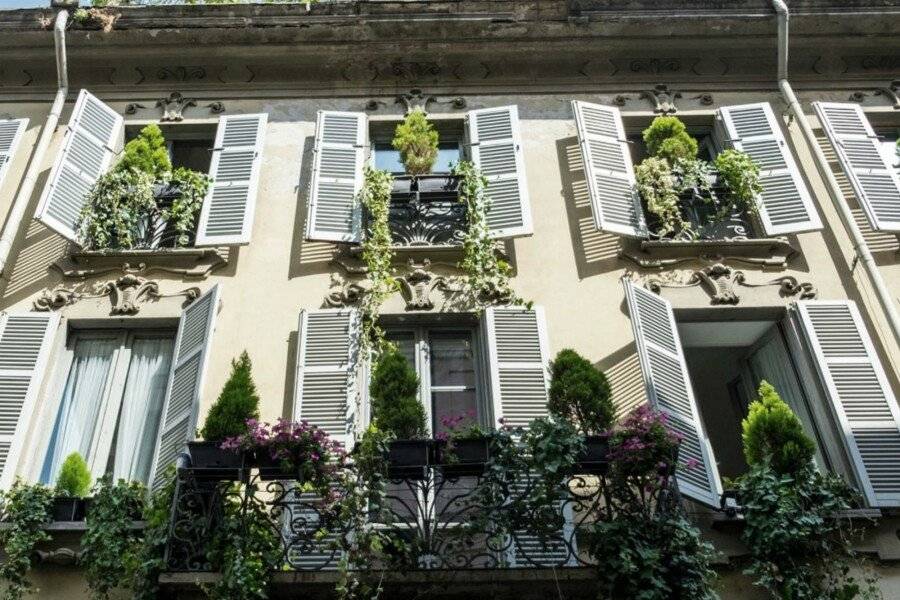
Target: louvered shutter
[608,169]
[785,203]
[496,149]
[669,390]
[25,343]
[11,131]
[227,215]
[856,383]
[326,371]
[874,180]
[517,351]
[87,151]
[179,415]
[334,212]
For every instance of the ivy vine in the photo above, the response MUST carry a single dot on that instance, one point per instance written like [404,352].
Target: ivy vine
[26,509]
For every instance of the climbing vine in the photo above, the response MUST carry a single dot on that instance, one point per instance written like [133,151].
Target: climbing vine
[25,511]
[377,253]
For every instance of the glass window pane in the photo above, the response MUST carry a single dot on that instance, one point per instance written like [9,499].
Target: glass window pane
[453,411]
[448,155]
[76,421]
[388,159]
[452,362]
[406,344]
[142,402]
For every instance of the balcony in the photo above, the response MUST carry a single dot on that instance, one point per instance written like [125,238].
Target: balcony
[425,212]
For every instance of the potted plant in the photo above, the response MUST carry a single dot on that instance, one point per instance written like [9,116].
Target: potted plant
[580,394]
[464,447]
[73,485]
[417,141]
[396,411]
[237,404]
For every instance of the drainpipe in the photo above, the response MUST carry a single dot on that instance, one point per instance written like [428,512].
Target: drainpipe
[861,251]
[23,198]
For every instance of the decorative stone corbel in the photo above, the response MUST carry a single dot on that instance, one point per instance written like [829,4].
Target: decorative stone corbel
[216,108]
[174,106]
[662,99]
[415,99]
[62,557]
[417,285]
[721,282]
[347,294]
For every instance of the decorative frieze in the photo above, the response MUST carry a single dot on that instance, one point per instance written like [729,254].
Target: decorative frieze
[126,295]
[722,283]
[193,263]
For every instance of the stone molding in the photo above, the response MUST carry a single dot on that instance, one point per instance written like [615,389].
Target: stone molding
[660,254]
[126,295]
[722,283]
[192,263]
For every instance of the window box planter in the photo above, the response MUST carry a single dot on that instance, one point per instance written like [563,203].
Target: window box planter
[270,468]
[68,509]
[593,459]
[446,187]
[465,457]
[408,459]
[208,455]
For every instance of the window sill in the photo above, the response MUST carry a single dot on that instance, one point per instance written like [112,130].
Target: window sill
[195,263]
[767,252]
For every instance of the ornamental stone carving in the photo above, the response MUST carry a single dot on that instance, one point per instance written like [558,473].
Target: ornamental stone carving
[126,295]
[722,284]
[174,106]
[417,285]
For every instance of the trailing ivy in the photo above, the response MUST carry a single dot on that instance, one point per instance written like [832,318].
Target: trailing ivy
[487,275]
[26,510]
[150,562]
[656,185]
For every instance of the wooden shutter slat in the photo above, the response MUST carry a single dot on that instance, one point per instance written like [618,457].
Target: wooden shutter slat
[608,169]
[181,405]
[496,149]
[87,151]
[327,358]
[873,178]
[857,386]
[785,204]
[26,340]
[333,212]
[227,214]
[11,132]
[669,389]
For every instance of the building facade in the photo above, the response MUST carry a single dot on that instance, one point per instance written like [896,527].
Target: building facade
[120,354]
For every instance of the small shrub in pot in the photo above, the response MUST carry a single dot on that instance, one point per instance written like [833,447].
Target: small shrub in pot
[417,141]
[73,484]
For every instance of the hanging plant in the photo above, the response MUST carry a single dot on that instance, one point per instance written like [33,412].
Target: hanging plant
[487,275]
[417,141]
[741,176]
[26,510]
[656,185]
[377,253]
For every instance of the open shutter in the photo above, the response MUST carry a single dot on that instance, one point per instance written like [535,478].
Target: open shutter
[334,212]
[785,203]
[496,149]
[863,402]
[669,389]
[25,343]
[608,169]
[874,180]
[87,151]
[325,393]
[11,131]
[179,415]
[227,215]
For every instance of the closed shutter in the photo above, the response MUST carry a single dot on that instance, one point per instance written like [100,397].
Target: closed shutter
[863,402]
[669,389]
[785,203]
[608,169]
[334,212]
[874,180]
[87,151]
[227,215]
[496,149]
[25,343]
[179,416]
[11,131]
[325,393]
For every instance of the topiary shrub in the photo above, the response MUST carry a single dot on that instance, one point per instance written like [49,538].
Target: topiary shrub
[667,138]
[237,403]
[417,141]
[147,153]
[394,392]
[772,432]
[74,480]
[580,393]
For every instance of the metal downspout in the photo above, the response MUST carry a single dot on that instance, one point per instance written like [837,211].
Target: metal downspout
[23,198]
[861,250]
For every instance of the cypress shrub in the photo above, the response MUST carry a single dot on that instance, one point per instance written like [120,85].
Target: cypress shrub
[773,432]
[147,153]
[237,402]
[74,480]
[394,392]
[580,393]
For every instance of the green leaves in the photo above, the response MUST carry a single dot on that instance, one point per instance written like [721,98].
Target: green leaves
[237,402]
[741,176]
[377,253]
[74,478]
[417,141]
[772,433]
[394,392]
[667,138]
[25,511]
[580,393]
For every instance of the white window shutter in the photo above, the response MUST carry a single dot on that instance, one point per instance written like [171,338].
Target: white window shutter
[227,215]
[669,390]
[11,131]
[608,169]
[327,360]
[864,404]
[87,151]
[517,351]
[179,415]
[334,213]
[26,340]
[874,180]
[785,204]
[496,148]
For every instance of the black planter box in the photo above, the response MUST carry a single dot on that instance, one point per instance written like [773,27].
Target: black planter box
[594,459]
[208,455]
[427,184]
[68,509]
[270,468]
[464,457]
[408,459]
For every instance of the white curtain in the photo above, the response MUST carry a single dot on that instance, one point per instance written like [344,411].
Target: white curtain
[80,406]
[142,403]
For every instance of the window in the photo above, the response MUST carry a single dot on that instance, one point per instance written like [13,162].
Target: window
[190,146]
[445,361]
[110,402]
[888,138]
